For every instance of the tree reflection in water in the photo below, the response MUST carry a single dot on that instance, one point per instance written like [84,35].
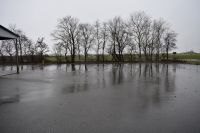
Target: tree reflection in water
[148,82]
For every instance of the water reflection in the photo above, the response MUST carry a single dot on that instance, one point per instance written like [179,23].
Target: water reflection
[11,97]
[140,76]
[86,68]
[73,67]
[124,97]
[75,88]
[148,80]
[117,74]
[41,67]
[59,67]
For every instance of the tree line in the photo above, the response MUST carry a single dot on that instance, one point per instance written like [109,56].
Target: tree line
[139,37]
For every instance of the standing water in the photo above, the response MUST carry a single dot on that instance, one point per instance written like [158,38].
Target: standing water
[110,98]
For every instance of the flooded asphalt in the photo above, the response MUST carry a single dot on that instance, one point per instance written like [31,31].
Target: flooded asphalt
[129,98]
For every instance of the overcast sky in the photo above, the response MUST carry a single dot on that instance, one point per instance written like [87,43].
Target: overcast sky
[39,17]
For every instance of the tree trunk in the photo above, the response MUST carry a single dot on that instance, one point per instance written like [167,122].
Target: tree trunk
[66,58]
[98,54]
[73,54]
[85,55]
[103,55]
[20,47]
[167,54]
[140,51]
[17,61]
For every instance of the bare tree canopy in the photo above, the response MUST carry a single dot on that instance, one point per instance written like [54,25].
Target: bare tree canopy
[139,34]
[170,41]
[138,23]
[87,38]
[67,32]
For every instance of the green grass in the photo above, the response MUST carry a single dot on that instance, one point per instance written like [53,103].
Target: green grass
[193,62]
[187,56]
[90,58]
[108,58]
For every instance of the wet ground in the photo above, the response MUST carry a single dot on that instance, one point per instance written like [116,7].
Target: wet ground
[129,98]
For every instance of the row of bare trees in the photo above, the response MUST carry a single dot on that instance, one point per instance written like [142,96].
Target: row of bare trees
[28,50]
[139,35]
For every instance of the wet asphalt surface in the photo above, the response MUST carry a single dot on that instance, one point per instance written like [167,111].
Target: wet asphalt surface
[129,98]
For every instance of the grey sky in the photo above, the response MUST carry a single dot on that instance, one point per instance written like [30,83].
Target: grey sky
[39,17]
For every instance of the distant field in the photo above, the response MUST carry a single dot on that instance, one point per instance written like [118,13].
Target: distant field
[187,56]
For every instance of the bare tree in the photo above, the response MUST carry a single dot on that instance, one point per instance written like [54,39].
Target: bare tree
[41,48]
[66,48]
[104,36]
[32,51]
[151,46]
[2,51]
[137,23]
[87,37]
[112,34]
[159,29]
[9,48]
[79,46]
[97,27]
[131,47]
[26,46]
[67,32]
[140,35]
[170,41]
[14,29]
[58,48]
[119,36]
[146,40]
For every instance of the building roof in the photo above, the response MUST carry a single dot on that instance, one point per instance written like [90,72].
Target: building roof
[6,34]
